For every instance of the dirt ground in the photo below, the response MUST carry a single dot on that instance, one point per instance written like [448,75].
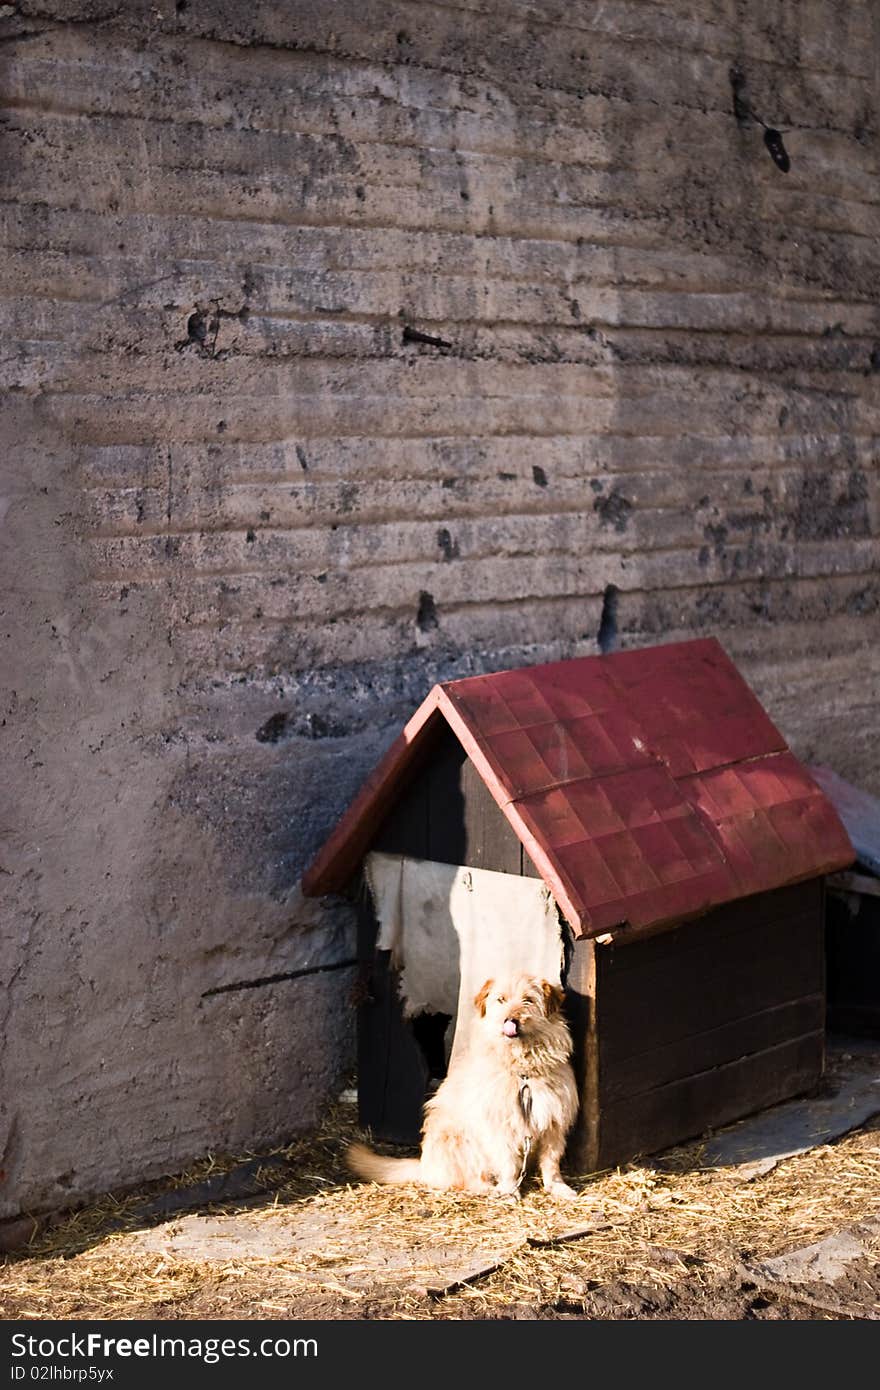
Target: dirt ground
[291,1235]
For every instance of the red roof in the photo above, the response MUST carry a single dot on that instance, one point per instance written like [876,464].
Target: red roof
[646,786]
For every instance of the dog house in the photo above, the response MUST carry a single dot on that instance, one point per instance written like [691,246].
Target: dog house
[633,822]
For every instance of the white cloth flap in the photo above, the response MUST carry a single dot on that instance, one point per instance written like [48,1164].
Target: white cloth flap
[449,929]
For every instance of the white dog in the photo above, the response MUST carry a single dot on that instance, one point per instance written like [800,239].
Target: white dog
[506,1105]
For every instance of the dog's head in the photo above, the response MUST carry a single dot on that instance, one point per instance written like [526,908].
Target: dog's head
[519,1008]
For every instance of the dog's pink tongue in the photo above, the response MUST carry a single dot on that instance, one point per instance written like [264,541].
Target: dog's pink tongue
[509,1030]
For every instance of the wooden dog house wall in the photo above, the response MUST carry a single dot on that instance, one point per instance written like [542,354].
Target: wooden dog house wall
[681,1023]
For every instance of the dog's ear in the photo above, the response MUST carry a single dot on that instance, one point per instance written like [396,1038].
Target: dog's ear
[480,999]
[554,998]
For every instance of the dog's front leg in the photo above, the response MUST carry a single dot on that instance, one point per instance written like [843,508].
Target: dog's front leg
[548,1165]
[508,1177]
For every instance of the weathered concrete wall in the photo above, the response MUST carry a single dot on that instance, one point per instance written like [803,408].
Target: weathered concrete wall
[251,514]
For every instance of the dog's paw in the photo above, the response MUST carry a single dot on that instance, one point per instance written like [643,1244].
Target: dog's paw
[561,1191]
[508,1191]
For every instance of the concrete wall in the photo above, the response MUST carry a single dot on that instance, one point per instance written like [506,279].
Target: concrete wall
[251,515]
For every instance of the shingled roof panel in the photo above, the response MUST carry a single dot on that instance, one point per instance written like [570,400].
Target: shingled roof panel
[646,786]
[547,755]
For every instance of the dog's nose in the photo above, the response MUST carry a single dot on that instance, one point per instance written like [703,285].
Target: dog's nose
[511,1027]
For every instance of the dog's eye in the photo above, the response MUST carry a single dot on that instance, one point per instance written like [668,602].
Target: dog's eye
[501,998]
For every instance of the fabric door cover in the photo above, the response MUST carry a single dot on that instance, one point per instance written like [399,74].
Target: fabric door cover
[450,928]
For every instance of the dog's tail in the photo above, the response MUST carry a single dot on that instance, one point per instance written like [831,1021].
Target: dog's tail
[375,1168]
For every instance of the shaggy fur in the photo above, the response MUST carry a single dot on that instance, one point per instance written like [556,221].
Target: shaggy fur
[505,1106]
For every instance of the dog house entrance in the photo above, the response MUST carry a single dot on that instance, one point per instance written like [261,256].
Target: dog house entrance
[449,928]
[430,1032]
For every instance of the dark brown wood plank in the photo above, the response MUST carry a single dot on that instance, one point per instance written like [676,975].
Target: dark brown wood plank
[580,1008]
[799,899]
[405,828]
[372,1016]
[447,840]
[491,842]
[655,1002]
[629,1077]
[687,1108]
[392,1072]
